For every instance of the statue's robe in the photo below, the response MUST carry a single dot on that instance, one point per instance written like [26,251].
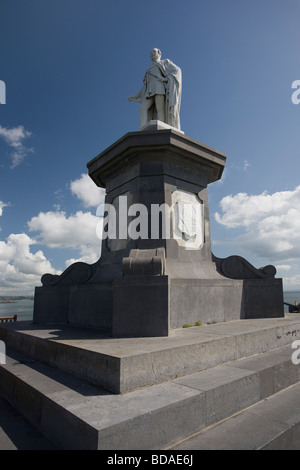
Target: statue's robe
[153,85]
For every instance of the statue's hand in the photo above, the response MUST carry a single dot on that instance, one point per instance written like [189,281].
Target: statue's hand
[132,98]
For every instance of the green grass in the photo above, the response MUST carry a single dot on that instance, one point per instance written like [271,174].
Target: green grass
[198,323]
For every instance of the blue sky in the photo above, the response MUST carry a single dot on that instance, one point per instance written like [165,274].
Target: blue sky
[69,66]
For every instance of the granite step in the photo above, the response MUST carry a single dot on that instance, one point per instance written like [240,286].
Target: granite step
[75,414]
[124,364]
[16,433]
[272,424]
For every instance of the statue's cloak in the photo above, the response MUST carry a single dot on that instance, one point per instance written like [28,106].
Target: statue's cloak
[172,89]
[173,101]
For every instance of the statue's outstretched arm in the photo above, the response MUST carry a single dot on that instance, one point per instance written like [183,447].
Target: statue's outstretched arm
[136,97]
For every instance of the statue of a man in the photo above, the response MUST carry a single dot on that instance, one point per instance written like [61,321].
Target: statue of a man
[160,96]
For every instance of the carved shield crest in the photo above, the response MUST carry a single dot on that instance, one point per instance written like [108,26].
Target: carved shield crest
[188,219]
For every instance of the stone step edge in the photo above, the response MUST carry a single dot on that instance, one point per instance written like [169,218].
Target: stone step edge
[149,368]
[182,417]
[284,433]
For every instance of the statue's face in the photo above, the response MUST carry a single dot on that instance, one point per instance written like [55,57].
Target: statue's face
[155,55]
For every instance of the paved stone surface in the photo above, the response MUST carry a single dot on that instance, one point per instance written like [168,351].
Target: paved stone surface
[17,434]
[156,416]
[124,364]
[148,418]
[272,424]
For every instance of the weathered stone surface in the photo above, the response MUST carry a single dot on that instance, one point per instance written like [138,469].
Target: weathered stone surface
[123,364]
[76,414]
[164,276]
[272,424]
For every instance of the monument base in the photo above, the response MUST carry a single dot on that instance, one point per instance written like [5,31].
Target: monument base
[149,306]
[81,305]
[156,125]
[148,282]
[152,306]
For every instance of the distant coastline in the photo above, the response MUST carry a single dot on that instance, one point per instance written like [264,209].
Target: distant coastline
[8,299]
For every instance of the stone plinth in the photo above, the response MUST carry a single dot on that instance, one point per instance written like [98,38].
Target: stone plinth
[166,276]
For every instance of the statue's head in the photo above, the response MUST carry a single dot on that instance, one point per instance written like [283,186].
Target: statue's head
[155,54]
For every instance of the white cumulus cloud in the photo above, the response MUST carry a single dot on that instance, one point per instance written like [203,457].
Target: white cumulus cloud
[20,269]
[14,137]
[271,222]
[57,230]
[291,283]
[78,231]
[2,205]
[87,254]
[283,267]
[87,191]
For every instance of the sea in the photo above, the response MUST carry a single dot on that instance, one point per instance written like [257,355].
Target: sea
[21,307]
[24,307]
[291,298]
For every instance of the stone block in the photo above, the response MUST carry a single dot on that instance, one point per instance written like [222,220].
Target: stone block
[263,298]
[51,305]
[79,304]
[141,306]
[205,301]
[227,390]
[91,305]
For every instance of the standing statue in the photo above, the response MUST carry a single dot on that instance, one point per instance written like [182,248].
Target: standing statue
[160,96]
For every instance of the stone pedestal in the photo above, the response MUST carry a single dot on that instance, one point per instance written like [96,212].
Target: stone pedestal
[166,276]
